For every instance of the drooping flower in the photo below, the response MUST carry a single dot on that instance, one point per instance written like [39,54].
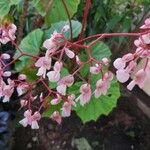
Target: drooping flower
[44,64]
[54,75]
[69,53]
[85,95]
[56,117]
[95,69]
[22,88]
[8,90]
[146,25]
[139,79]
[103,85]
[31,119]
[65,82]
[7,33]
[57,100]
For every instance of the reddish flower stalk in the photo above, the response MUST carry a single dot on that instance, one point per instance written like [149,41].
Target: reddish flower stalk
[85,15]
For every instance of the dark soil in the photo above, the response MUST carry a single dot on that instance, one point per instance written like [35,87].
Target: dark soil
[126,128]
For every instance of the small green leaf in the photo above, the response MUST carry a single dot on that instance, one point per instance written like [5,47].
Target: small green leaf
[58,13]
[76,26]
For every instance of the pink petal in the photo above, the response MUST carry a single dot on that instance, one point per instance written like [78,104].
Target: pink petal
[119,63]
[122,75]
[62,89]
[53,76]
[69,53]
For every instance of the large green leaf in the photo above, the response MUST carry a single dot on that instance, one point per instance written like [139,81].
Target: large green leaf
[39,6]
[58,13]
[5,6]
[97,107]
[76,29]
[30,45]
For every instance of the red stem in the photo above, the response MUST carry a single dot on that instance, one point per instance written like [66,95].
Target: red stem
[69,18]
[111,35]
[86,11]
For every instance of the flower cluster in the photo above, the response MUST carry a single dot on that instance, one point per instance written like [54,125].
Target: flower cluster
[127,65]
[7,33]
[50,67]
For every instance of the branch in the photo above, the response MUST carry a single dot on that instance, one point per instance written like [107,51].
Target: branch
[86,11]
[69,18]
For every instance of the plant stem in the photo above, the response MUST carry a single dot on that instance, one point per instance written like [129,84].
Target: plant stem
[69,18]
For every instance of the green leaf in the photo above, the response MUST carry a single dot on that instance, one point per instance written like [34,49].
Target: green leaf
[58,13]
[25,68]
[97,107]
[101,50]
[76,26]
[5,6]
[39,6]
[30,45]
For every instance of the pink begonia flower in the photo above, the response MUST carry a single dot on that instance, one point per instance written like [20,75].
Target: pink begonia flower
[6,74]
[7,33]
[105,61]
[65,82]
[146,25]
[54,42]
[119,63]
[85,95]
[5,56]
[128,57]
[139,79]
[22,77]
[122,75]
[54,76]
[101,88]
[66,109]
[57,100]
[138,43]
[108,76]
[2,85]
[69,53]
[22,88]
[95,69]
[56,117]
[131,66]
[31,119]
[146,38]
[8,90]
[23,103]
[43,63]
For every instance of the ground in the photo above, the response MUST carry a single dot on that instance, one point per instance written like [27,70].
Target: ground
[126,128]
